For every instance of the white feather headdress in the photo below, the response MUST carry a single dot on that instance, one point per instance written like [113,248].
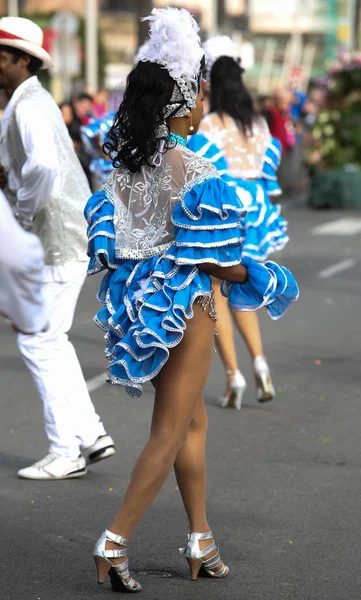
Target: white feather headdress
[220,45]
[174,44]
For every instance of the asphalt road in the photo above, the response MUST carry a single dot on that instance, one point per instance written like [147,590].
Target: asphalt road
[284,479]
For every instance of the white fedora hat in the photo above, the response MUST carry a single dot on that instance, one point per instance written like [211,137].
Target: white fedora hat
[24,34]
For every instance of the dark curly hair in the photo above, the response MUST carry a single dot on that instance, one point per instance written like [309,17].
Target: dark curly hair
[229,95]
[131,141]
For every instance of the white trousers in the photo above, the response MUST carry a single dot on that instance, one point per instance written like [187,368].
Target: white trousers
[69,415]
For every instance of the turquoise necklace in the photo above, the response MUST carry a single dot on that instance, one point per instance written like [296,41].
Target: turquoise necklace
[178,139]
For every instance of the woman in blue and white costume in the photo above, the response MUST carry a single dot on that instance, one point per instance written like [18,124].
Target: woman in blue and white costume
[162,225]
[94,136]
[238,142]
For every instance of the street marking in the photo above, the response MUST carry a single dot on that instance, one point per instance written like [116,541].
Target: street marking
[96,382]
[346,226]
[332,270]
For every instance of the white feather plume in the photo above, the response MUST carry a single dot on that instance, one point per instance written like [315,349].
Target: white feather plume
[220,45]
[174,43]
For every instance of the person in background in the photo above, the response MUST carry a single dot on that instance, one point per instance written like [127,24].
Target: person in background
[100,104]
[83,108]
[93,138]
[264,104]
[47,189]
[281,124]
[237,140]
[283,129]
[74,129]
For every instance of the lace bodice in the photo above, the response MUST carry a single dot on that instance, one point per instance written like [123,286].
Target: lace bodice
[244,154]
[144,201]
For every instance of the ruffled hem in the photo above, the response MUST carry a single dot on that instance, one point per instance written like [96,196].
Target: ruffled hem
[146,305]
[146,302]
[269,285]
[264,229]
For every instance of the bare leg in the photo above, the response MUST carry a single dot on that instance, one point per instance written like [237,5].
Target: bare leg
[190,470]
[248,326]
[225,338]
[179,386]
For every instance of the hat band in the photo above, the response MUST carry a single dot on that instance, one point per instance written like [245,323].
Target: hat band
[5,35]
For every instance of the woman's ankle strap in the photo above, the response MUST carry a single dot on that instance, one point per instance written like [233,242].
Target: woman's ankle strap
[117,539]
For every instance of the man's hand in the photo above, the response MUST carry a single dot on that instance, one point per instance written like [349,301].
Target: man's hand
[104,262]
[3,177]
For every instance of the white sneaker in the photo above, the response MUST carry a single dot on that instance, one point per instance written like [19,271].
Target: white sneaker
[103,447]
[55,466]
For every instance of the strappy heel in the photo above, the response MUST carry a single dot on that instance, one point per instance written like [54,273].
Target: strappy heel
[118,573]
[210,567]
[237,388]
[264,385]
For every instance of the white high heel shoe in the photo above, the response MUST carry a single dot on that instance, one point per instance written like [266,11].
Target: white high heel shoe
[237,388]
[264,385]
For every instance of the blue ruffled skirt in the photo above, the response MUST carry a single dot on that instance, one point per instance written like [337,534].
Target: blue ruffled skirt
[146,304]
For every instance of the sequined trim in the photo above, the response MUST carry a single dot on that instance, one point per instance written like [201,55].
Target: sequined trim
[219,211]
[107,187]
[227,242]
[198,261]
[101,220]
[133,274]
[102,233]
[211,174]
[129,253]
[208,302]
[205,227]
[95,209]
[99,265]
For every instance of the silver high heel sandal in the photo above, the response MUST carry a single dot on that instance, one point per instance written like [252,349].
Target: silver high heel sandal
[265,389]
[195,556]
[118,573]
[238,387]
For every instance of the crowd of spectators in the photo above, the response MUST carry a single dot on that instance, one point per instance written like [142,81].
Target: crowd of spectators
[289,114]
[79,113]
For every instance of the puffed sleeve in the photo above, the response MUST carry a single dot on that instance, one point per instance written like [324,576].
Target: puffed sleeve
[207,226]
[269,285]
[99,213]
[208,229]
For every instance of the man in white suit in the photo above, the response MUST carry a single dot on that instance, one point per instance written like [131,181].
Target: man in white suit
[48,190]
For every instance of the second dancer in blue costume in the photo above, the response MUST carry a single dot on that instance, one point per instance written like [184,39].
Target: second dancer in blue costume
[238,142]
